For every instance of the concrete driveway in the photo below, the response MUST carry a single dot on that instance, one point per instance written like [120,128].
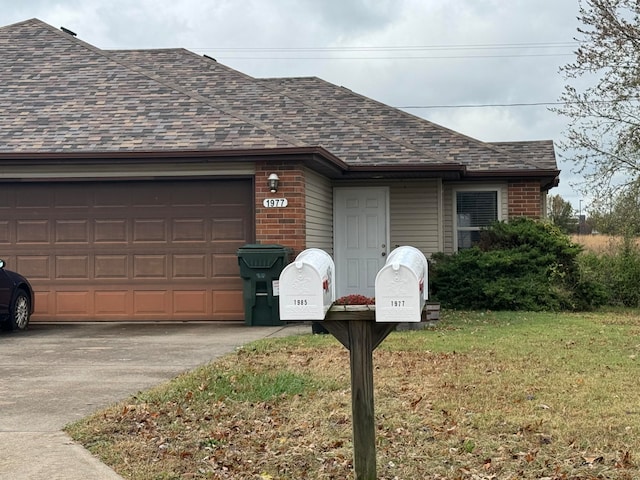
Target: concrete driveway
[51,375]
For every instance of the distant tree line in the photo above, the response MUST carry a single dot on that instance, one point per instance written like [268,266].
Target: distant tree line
[561,213]
[617,215]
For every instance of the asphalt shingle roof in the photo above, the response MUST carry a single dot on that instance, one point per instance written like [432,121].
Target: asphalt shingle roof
[287,115]
[539,152]
[59,94]
[436,140]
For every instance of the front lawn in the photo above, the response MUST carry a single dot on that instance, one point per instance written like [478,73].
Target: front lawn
[484,395]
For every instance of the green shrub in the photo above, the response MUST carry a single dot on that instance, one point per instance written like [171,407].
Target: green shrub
[616,274]
[520,265]
[627,280]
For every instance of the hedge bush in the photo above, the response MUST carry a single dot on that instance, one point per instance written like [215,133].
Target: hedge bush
[523,264]
[617,274]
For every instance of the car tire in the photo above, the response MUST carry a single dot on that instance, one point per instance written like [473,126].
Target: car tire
[19,315]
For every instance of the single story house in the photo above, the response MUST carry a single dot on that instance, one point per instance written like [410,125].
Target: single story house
[129,179]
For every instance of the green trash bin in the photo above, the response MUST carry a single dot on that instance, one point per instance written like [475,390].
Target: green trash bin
[261,265]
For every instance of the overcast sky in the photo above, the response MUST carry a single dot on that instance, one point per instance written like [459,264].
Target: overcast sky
[443,54]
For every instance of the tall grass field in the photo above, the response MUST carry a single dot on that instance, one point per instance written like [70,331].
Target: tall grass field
[600,243]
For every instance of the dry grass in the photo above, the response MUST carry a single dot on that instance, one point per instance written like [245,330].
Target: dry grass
[600,243]
[482,396]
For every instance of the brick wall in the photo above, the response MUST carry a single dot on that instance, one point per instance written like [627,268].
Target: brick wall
[281,225]
[525,199]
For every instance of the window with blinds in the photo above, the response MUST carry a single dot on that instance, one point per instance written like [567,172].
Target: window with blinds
[474,210]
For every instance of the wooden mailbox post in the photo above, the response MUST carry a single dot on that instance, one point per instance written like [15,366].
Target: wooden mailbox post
[307,291]
[357,330]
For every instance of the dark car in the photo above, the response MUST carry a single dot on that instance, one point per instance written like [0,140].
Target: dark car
[16,300]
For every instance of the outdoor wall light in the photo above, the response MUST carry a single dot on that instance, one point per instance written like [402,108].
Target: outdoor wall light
[272,181]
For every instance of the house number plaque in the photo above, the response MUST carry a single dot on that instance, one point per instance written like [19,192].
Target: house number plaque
[275,202]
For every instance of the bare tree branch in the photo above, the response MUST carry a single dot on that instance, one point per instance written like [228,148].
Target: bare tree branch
[603,136]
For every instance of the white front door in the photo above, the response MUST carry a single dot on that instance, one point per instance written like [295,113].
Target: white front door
[361,238]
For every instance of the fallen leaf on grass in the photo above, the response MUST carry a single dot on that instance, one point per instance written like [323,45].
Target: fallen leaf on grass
[593,460]
[625,460]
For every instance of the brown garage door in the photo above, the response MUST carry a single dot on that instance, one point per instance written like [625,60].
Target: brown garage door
[157,250]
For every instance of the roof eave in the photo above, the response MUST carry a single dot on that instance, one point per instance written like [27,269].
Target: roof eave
[316,158]
[98,156]
[445,171]
[549,178]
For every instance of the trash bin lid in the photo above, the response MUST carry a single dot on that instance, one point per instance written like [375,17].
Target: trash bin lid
[252,247]
[263,256]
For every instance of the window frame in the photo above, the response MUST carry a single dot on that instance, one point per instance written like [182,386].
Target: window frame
[476,188]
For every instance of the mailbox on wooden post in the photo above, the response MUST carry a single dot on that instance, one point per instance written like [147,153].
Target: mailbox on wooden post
[401,286]
[307,287]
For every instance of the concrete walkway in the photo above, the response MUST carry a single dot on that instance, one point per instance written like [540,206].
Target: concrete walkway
[52,375]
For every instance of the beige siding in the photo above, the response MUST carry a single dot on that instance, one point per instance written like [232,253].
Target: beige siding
[504,202]
[319,211]
[449,192]
[414,216]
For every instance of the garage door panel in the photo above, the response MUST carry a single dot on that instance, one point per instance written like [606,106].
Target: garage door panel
[73,303]
[71,231]
[74,267]
[71,197]
[33,196]
[149,230]
[5,232]
[32,231]
[6,200]
[130,250]
[111,199]
[227,304]
[190,302]
[111,303]
[197,196]
[150,196]
[226,247]
[229,194]
[190,266]
[43,303]
[224,266]
[111,267]
[188,230]
[151,303]
[110,231]
[228,229]
[150,266]
[34,267]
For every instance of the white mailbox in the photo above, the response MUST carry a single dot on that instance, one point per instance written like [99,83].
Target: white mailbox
[307,287]
[401,286]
